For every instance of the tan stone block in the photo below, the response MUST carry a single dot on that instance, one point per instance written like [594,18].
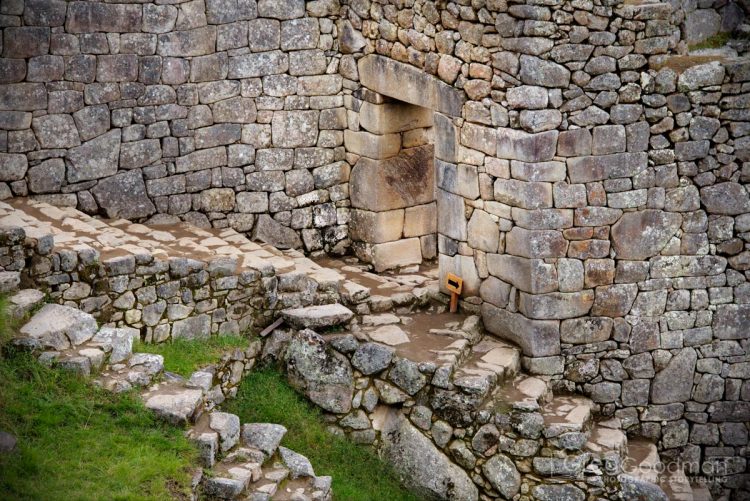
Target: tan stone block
[391,255]
[407,83]
[416,137]
[376,227]
[420,220]
[371,145]
[395,183]
[529,275]
[393,117]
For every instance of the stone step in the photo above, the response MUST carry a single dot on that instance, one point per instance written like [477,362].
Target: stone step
[523,392]
[173,402]
[317,317]
[23,302]
[568,413]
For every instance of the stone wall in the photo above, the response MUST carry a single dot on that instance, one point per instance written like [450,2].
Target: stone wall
[223,113]
[175,298]
[594,200]
[617,184]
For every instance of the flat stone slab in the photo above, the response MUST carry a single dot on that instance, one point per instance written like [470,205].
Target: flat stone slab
[9,281]
[265,437]
[299,465]
[59,327]
[314,317]
[175,406]
[391,335]
[24,301]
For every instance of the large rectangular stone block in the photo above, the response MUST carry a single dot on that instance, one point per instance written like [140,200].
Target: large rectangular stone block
[515,144]
[420,220]
[556,305]
[387,118]
[407,83]
[451,215]
[23,97]
[91,17]
[529,275]
[537,338]
[535,243]
[202,159]
[599,168]
[259,64]
[395,183]
[464,267]
[26,41]
[523,194]
[188,43]
[392,255]
[371,145]
[376,227]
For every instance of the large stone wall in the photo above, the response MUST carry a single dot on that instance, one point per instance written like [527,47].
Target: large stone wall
[220,113]
[594,200]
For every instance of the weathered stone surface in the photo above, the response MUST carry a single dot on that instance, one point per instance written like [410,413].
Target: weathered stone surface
[675,382]
[536,71]
[558,493]
[556,305]
[60,327]
[196,327]
[228,427]
[13,166]
[388,118]
[515,144]
[23,96]
[195,42]
[634,488]
[258,64]
[614,300]
[586,330]
[124,196]
[537,338]
[265,437]
[294,129]
[270,231]
[402,181]
[503,475]
[703,75]
[176,407]
[314,317]
[90,17]
[323,374]
[732,321]
[95,159]
[409,84]
[726,198]
[299,465]
[529,275]
[535,243]
[371,358]
[392,255]
[426,470]
[643,234]
[56,131]
[120,341]
[376,227]
[281,9]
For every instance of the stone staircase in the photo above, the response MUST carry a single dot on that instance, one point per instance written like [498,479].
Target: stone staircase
[476,379]
[242,463]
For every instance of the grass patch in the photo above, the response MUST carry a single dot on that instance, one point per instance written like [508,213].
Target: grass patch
[185,357]
[358,474]
[76,441]
[714,42]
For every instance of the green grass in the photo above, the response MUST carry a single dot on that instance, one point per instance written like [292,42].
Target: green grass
[78,442]
[358,474]
[714,42]
[184,357]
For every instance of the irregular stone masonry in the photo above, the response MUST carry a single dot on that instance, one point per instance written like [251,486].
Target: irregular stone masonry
[246,463]
[591,186]
[168,282]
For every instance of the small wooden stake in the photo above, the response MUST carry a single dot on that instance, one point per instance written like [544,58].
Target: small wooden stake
[454,302]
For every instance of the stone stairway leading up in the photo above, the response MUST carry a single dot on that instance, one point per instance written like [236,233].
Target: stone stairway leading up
[241,462]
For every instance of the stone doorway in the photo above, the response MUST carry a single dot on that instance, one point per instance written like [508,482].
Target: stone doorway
[393,184]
